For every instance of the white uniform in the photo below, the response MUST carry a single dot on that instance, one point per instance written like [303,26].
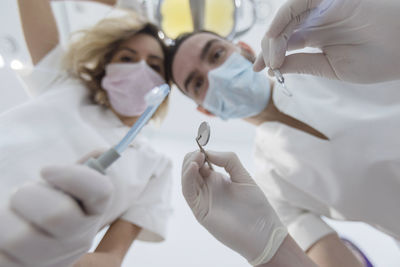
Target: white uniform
[62,125]
[354,176]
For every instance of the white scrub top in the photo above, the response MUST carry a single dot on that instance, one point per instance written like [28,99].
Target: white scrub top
[62,125]
[355,175]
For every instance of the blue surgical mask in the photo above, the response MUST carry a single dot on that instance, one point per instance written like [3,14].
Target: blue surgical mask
[235,90]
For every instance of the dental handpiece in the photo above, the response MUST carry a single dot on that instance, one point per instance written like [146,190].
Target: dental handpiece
[154,100]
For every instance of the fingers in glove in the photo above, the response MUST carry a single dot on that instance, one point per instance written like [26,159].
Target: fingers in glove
[290,12]
[9,261]
[94,154]
[263,59]
[195,156]
[232,165]
[274,49]
[297,41]
[259,64]
[284,41]
[27,245]
[277,51]
[192,182]
[205,171]
[49,210]
[315,64]
[92,189]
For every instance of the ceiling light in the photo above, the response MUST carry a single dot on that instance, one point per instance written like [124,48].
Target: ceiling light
[179,16]
[15,64]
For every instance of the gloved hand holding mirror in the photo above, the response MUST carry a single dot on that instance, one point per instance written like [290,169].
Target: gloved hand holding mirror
[358,40]
[232,208]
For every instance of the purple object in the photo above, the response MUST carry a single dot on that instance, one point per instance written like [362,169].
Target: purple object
[352,246]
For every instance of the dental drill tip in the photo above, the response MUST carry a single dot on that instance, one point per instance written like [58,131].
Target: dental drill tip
[286,90]
[281,80]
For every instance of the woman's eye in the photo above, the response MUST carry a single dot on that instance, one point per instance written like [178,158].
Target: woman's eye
[125,59]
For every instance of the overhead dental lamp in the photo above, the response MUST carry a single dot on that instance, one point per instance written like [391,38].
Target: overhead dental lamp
[10,56]
[220,16]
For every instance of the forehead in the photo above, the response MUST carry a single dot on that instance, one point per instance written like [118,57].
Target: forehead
[187,57]
[144,44]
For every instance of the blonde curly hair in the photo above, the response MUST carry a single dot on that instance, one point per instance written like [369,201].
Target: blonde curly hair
[93,48]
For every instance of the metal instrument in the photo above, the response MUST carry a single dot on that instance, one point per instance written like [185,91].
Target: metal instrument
[203,136]
[281,80]
[153,99]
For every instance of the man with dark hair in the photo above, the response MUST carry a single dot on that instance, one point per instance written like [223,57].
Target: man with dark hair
[307,145]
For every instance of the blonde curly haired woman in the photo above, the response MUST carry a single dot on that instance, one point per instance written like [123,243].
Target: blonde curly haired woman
[86,97]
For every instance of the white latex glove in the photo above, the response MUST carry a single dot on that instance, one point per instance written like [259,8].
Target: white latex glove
[45,225]
[233,209]
[359,39]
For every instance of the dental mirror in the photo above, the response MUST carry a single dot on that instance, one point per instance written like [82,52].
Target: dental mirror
[203,135]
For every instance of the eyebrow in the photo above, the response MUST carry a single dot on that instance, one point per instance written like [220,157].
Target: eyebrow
[128,49]
[207,47]
[135,52]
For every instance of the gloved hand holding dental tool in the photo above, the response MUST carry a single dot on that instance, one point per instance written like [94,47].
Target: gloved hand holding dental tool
[358,40]
[45,226]
[62,214]
[235,211]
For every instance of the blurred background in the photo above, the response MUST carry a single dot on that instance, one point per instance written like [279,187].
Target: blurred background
[188,244]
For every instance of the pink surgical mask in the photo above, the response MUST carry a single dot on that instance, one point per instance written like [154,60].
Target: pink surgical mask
[127,85]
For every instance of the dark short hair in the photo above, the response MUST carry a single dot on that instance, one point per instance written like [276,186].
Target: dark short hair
[173,49]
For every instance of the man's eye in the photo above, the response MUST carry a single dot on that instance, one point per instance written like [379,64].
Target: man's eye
[197,86]
[217,55]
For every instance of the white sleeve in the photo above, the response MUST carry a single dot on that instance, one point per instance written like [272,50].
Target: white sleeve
[153,208]
[305,227]
[293,206]
[46,73]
